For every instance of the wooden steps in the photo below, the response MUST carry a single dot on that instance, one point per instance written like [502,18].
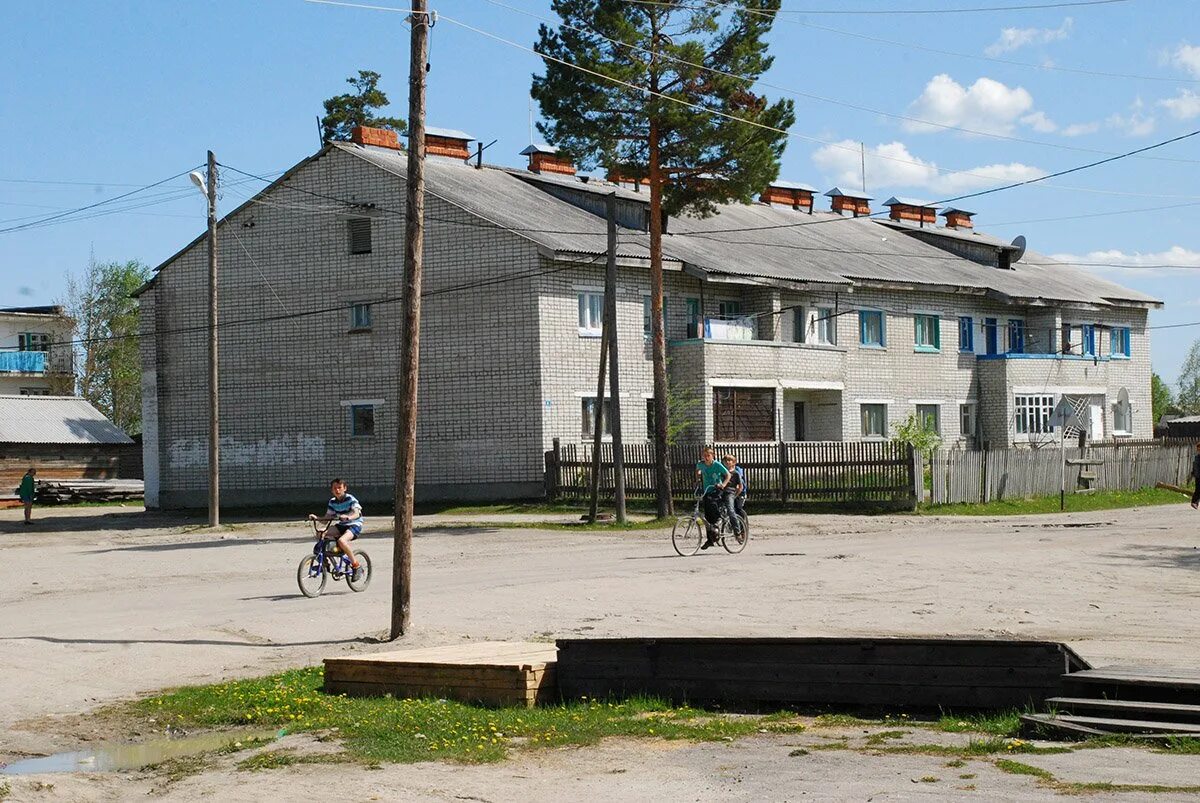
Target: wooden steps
[1145,701]
[496,673]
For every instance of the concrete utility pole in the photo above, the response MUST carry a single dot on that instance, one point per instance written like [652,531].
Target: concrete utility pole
[214,395]
[610,317]
[410,345]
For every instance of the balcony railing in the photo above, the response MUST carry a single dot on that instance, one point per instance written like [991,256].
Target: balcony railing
[23,362]
[729,328]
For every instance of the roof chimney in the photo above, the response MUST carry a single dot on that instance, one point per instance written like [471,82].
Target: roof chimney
[447,142]
[849,203]
[546,159]
[380,137]
[911,209]
[958,218]
[789,193]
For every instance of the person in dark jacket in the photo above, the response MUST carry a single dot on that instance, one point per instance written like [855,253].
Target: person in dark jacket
[1196,478]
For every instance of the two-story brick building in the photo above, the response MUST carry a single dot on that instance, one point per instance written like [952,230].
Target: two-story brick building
[35,357]
[783,322]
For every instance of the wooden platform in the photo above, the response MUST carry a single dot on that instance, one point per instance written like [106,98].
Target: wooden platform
[500,673]
[1152,701]
[950,674]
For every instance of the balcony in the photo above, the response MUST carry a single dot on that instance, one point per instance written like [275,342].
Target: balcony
[22,362]
[758,362]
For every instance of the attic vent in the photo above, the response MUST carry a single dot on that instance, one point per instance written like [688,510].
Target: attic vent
[359,231]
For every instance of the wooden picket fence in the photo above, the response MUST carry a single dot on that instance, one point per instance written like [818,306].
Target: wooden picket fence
[983,476]
[875,473]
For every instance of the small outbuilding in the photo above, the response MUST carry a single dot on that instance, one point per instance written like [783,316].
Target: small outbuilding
[63,437]
[1187,426]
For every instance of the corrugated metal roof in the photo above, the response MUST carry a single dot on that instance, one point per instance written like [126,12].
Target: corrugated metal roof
[897,200]
[792,185]
[836,191]
[448,133]
[540,148]
[951,209]
[55,419]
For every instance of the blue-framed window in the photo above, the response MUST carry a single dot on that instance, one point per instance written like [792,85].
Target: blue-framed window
[871,328]
[1120,342]
[1016,336]
[1089,340]
[927,332]
[966,334]
[362,420]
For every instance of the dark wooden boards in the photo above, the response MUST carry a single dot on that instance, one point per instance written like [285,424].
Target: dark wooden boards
[1126,709]
[492,673]
[1147,684]
[879,672]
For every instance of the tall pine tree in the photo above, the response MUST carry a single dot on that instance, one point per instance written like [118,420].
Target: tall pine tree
[678,78]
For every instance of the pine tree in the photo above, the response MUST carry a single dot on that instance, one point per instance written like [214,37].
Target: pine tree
[343,112]
[668,112]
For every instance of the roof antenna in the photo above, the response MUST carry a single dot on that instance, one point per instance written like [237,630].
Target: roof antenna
[862,149]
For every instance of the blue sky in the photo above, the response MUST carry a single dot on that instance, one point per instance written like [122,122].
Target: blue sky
[100,96]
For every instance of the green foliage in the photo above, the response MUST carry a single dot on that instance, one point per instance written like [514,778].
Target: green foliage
[1162,400]
[1188,397]
[343,112]
[705,158]
[109,367]
[1076,503]
[921,435]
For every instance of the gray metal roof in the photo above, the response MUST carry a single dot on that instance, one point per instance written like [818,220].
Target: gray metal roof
[56,420]
[897,200]
[792,185]
[540,148]
[836,191]
[448,133]
[968,235]
[951,209]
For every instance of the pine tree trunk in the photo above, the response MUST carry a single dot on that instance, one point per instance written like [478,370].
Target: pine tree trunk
[662,472]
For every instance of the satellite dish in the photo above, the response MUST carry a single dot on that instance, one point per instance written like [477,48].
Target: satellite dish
[1019,244]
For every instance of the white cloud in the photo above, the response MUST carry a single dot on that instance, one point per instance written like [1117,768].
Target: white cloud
[1039,122]
[892,165]
[1134,124]
[1079,129]
[1187,58]
[987,105]
[1183,106]
[1136,262]
[1016,38]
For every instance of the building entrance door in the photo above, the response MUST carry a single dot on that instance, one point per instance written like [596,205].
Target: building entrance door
[798,421]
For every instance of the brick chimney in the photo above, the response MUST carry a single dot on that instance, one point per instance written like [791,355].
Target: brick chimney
[911,209]
[789,193]
[546,159]
[849,203]
[958,218]
[447,142]
[380,137]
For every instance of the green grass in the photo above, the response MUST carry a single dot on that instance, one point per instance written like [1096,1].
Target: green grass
[1001,723]
[1017,768]
[1076,503]
[384,729]
[574,526]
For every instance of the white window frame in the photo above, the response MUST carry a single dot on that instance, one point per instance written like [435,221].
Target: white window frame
[968,414]
[1031,413]
[862,416]
[587,420]
[589,325]
[33,341]
[1122,402]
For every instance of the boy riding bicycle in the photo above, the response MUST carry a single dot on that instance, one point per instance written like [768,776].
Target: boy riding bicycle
[735,491]
[346,513]
[713,477]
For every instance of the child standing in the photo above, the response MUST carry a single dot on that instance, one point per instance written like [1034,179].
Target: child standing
[26,491]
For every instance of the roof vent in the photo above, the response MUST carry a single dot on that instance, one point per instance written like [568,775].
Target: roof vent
[958,218]
[789,193]
[447,142]
[849,203]
[546,159]
[911,209]
[379,137]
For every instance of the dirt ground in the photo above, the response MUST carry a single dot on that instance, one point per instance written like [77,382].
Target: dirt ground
[102,604]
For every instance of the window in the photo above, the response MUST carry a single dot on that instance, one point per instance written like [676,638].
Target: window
[1016,336]
[646,333]
[1066,338]
[1123,414]
[800,323]
[1033,414]
[1119,346]
[874,420]
[929,417]
[825,326]
[966,420]
[693,318]
[928,332]
[359,235]
[991,342]
[33,341]
[1089,340]
[588,421]
[730,309]
[966,334]
[360,316]
[870,328]
[650,419]
[34,391]
[591,311]
[362,420]
[744,414]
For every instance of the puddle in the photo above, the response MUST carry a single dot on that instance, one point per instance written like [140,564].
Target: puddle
[122,757]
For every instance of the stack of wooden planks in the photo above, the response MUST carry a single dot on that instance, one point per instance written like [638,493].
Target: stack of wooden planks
[498,673]
[58,492]
[1150,702]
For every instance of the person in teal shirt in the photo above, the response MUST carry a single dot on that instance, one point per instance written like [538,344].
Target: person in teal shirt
[713,477]
[25,491]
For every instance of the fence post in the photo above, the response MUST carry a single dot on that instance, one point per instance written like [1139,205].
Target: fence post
[783,472]
[916,476]
[983,478]
[553,470]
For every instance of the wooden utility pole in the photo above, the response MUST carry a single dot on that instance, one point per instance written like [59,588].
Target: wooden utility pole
[614,381]
[214,395]
[598,417]
[410,351]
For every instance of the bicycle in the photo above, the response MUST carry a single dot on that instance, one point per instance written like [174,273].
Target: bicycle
[690,532]
[327,560]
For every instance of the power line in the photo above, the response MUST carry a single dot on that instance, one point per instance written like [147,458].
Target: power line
[899,11]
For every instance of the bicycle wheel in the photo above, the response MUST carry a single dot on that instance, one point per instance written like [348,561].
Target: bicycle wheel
[687,535]
[735,543]
[364,562]
[311,585]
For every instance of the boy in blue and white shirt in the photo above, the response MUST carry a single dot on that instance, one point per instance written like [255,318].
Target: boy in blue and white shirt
[345,510]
